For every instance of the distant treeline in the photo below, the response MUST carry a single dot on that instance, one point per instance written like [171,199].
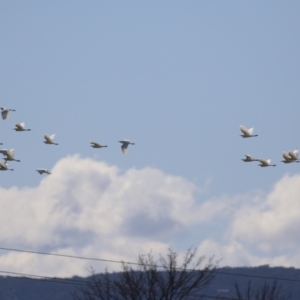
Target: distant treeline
[22,288]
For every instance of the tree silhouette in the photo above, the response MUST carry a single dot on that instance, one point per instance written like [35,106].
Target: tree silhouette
[149,279]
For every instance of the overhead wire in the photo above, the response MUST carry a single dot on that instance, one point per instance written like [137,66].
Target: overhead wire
[135,263]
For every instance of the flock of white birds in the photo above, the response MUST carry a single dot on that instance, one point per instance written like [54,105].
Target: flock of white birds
[289,157]
[49,140]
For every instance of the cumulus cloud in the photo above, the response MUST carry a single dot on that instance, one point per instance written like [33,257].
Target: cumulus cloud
[264,229]
[91,209]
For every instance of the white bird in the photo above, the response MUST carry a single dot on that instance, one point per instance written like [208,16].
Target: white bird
[247,132]
[5,112]
[9,155]
[249,158]
[21,127]
[265,163]
[43,171]
[97,145]
[4,166]
[291,156]
[49,139]
[125,144]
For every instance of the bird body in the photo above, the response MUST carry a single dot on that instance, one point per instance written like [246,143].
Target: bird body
[49,139]
[4,167]
[97,145]
[249,158]
[291,156]
[9,154]
[247,132]
[21,127]
[5,112]
[124,145]
[265,163]
[43,171]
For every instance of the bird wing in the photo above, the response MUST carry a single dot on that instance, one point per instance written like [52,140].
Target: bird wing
[10,153]
[96,144]
[21,125]
[244,130]
[41,171]
[4,151]
[250,130]
[248,157]
[2,165]
[5,114]
[124,148]
[286,156]
[48,138]
[264,162]
[294,154]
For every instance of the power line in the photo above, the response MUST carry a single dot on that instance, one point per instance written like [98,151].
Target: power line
[133,263]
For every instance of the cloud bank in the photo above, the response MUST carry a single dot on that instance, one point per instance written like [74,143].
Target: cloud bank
[89,208]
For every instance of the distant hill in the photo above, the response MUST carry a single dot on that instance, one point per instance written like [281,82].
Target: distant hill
[22,288]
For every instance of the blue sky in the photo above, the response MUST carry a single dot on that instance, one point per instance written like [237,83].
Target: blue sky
[176,78]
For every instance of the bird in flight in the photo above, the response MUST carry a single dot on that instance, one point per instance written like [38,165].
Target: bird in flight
[21,127]
[9,155]
[247,132]
[43,171]
[249,158]
[97,145]
[124,145]
[5,112]
[49,139]
[291,156]
[265,163]
[4,166]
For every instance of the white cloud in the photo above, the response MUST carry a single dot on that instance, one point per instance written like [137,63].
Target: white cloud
[264,229]
[88,208]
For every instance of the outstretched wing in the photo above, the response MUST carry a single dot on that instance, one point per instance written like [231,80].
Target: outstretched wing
[264,162]
[244,130]
[10,153]
[294,154]
[124,148]
[250,130]
[20,126]
[4,151]
[286,156]
[5,114]
[49,138]
[96,144]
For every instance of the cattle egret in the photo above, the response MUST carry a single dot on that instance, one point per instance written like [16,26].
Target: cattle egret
[4,167]
[290,157]
[5,112]
[49,139]
[249,158]
[125,144]
[21,127]
[43,171]
[9,154]
[97,145]
[265,163]
[247,132]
